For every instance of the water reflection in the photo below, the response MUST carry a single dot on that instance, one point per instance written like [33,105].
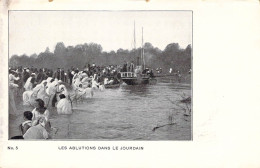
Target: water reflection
[138,90]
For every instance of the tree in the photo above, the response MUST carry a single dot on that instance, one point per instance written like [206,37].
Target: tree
[80,55]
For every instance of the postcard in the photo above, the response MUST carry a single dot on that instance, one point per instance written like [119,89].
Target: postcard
[129,84]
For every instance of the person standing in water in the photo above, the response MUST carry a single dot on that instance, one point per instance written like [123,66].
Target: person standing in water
[12,88]
[41,111]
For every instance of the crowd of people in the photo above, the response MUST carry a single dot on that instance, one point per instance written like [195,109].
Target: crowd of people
[45,90]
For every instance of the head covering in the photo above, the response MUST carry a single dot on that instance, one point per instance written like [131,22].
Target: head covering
[54,83]
[44,81]
[61,86]
[49,79]
[84,75]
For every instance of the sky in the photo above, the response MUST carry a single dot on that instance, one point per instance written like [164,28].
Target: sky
[32,31]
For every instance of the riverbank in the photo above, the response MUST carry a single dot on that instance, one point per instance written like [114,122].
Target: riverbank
[185,78]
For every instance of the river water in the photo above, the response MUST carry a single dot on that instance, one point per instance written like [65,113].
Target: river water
[126,113]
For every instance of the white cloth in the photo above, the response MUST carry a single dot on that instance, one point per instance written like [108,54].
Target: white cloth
[37,115]
[95,84]
[12,78]
[40,92]
[28,85]
[77,82]
[36,132]
[110,81]
[106,81]
[101,87]
[52,88]
[64,107]
[28,97]
[49,79]
[88,92]
[85,82]
[170,71]
[63,90]
[84,93]
[28,122]
[86,79]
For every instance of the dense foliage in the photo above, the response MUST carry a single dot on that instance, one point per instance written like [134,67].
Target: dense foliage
[78,56]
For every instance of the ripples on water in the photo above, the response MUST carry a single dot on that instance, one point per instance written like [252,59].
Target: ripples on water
[130,113]
[125,113]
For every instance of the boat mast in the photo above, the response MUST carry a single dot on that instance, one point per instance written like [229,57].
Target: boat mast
[134,36]
[137,63]
[143,50]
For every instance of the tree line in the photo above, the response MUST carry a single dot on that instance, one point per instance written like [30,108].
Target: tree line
[80,55]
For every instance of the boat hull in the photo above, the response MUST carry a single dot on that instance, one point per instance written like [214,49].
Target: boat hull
[131,78]
[136,81]
[112,86]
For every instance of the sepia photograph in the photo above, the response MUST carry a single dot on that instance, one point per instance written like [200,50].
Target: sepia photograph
[100,75]
[129,83]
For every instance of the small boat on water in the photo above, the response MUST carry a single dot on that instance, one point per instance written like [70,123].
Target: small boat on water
[112,86]
[138,75]
[132,78]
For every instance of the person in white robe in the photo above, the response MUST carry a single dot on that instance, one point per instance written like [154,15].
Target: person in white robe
[51,91]
[88,92]
[28,84]
[28,97]
[95,84]
[62,90]
[49,79]
[105,81]
[38,92]
[77,81]
[86,82]
[170,71]
[37,131]
[40,111]
[83,92]
[64,106]
[12,88]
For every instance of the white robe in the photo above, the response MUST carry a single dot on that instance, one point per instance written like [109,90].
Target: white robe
[49,79]
[40,92]
[105,81]
[62,90]
[12,87]
[52,88]
[28,85]
[64,107]
[28,97]
[95,85]
[84,93]
[65,92]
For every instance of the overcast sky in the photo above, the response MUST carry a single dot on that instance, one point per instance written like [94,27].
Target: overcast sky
[32,31]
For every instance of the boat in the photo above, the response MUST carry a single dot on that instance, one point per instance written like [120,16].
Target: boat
[112,86]
[140,74]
